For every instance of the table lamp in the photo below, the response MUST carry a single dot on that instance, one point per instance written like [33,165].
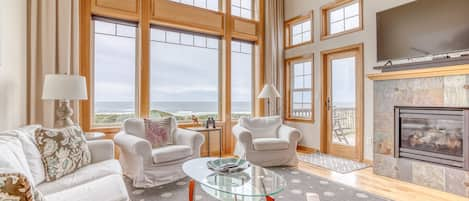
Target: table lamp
[268,92]
[64,88]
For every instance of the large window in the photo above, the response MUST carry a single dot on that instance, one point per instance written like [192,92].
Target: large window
[184,74]
[207,4]
[299,30]
[113,76]
[299,87]
[241,79]
[142,64]
[342,17]
[242,8]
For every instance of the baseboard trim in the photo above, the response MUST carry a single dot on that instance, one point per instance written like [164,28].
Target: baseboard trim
[369,162]
[306,149]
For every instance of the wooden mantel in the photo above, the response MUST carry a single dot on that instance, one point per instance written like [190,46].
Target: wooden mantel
[420,73]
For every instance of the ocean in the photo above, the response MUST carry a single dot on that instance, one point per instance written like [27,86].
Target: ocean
[172,107]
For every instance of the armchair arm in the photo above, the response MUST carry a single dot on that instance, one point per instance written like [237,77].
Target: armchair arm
[243,136]
[289,133]
[134,145]
[191,138]
[101,150]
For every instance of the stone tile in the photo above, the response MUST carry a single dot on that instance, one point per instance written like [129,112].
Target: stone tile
[455,93]
[384,122]
[404,169]
[428,97]
[455,181]
[383,143]
[454,81]
[429,175]
[384,165]
[383,97]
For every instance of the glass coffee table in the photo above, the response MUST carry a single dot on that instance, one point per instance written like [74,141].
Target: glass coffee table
[253,184]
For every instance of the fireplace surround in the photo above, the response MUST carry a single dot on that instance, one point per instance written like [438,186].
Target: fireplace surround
[445,93]
[432,134]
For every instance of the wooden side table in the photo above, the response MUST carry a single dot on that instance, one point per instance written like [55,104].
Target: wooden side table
[208,131]
[94,136]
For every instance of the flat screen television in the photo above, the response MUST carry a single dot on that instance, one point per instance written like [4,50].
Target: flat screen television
[422,28]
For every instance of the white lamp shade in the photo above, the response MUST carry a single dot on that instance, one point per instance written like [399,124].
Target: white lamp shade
[269,91]
[64,87]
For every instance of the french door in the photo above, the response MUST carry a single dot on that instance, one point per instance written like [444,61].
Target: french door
[343,102]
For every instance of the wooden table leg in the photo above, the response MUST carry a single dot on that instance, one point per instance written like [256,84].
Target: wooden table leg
[268,198]
[191,190]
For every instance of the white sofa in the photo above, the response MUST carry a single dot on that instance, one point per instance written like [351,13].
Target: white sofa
[149,167]
[266,142]
[99,181]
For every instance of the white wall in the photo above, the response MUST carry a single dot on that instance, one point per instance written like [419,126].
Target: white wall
[367,37]
[13,63]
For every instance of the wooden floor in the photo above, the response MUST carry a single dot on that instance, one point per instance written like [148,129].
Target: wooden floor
[383,186]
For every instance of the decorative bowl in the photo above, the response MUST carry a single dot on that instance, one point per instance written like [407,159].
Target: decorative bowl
[228,165]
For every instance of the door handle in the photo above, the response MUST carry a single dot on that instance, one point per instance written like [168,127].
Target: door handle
[328,103]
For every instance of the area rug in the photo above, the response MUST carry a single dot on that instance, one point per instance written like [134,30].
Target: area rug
[333,163]
[300,184]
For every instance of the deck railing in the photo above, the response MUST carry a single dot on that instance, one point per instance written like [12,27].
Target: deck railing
[345,116]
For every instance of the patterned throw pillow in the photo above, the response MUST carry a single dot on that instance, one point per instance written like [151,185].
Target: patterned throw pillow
[63,151]
[15,187]
[158,132]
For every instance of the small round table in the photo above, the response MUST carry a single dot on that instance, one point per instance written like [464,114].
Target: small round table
[253,184]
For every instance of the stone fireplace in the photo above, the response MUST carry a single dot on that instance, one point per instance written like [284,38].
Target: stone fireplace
[428,144]
[432,134]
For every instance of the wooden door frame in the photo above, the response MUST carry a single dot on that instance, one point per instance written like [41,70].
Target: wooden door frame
[360,95]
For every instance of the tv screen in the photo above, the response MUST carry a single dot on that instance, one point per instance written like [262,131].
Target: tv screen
[422,28]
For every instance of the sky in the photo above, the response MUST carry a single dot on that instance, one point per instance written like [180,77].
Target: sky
[178,72]
[183,73]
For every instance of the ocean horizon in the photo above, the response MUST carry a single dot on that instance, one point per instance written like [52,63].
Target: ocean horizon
[169,106]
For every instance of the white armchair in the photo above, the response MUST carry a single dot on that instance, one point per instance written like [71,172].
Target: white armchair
[266,141]
[149,167]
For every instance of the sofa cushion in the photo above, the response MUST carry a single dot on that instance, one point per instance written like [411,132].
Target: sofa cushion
[171,153]
[262,127]
[108,188]
[33,156]
[266,144]
[63,151]
[84,175]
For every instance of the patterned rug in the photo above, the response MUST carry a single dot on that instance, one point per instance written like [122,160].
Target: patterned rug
[300,186]
[333,163]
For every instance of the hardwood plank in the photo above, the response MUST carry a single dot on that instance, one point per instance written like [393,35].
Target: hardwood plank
[383,186]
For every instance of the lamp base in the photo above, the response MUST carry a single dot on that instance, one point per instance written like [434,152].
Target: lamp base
[64,113]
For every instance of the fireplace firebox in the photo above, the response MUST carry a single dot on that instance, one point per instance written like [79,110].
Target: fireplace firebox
[433,134]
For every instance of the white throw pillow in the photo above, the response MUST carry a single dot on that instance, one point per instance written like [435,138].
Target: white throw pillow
[12,157]
[262,127]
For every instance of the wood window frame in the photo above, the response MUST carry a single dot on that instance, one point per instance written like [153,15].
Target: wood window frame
[325,18]
[324,141]
[288,92]
[221,24]
[289,29]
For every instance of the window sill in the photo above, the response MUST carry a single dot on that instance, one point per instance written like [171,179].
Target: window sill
[299,44]
[326,37]
[300,120]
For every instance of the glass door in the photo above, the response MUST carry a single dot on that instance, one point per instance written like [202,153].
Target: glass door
[344,83]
